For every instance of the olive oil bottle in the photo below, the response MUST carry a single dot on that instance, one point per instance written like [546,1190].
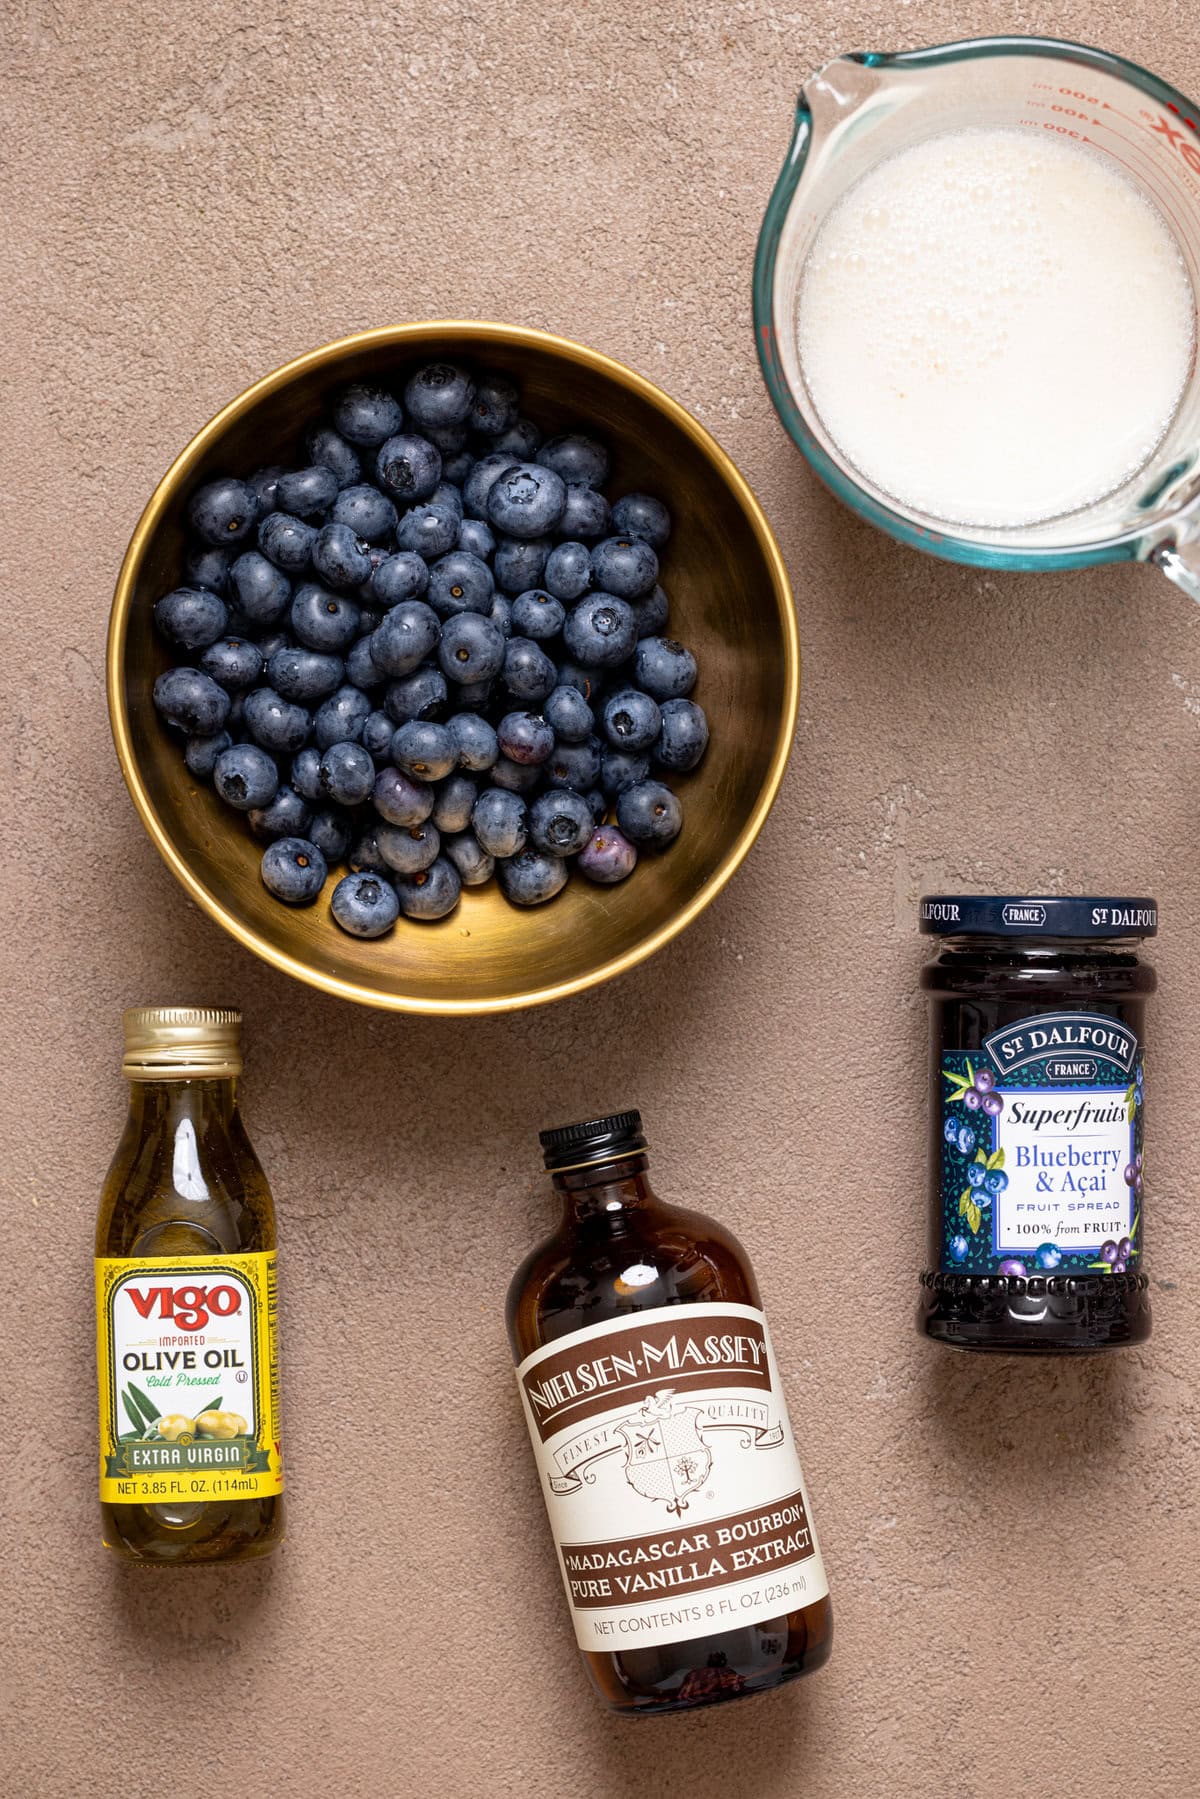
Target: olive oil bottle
[661,1437]
[190,1459]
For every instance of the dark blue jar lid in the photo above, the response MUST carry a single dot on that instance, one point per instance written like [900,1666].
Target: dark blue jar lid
[1032,915]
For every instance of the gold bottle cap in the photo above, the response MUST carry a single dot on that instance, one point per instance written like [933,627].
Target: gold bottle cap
[182,1043]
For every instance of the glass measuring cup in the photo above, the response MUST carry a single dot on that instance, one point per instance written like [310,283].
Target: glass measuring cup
[860,109]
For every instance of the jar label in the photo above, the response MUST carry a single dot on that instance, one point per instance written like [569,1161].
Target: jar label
[670,1476]
[189,1387]
[1041,1153]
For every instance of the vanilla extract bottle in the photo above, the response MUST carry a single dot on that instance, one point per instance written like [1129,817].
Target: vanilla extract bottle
[190,1460]
[662,1441]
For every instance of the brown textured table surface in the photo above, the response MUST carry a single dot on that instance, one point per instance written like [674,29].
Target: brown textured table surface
[191,195]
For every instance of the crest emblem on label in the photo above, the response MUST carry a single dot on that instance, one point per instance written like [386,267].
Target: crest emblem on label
[665,1456]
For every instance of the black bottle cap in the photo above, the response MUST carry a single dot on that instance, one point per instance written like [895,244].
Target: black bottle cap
[597,1140]
[1036,915]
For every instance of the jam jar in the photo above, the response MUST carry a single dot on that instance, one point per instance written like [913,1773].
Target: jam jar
[1037,1114]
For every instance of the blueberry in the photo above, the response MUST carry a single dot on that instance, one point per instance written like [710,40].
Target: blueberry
[441,393]
[455,802]
[479,483]
[966,1140]
[366,415]
[307,492]
[568,571]
[432,893]
[477,538]
[405,637]
[975,1173]
[261,590]
[305,676]
[327,448]
[451,440]
[456,468]
[515,777]
[404,576]
[364,855]
[271,642]
[329,829]
[1049,1256]
[1124,1249]
[587,681]
[409,467]
[993,1104]
[1118,1266]
[519,563]
[472,649]
[207,566]
[985,1080]
[521,440]
[995,1181]
[294,870]
[475,741]
[423,694]
[598,804]
[339,557]
[401,800]
[531,878]
[1108,1251]
[649,813]
[347,774]
[560,823]
[306,774]
[625,566]
[460,582]
[576,458]
[287,815]
[323,620]
[525,737]
[223,511]
[620,769]
[233,662]
[362,670]
[264,484]
[684,735]
[650,614]
[586,513]
[286,541]
[568,714]
[600,632]
[529,674]
[425,749]
[664,668]
[191,616]
[526,500]
[192,701]
[959,1248]
[446,494]
[430,530]
[1131,1174]
[369,513]
[971,1100]
[575,765]
[608,856]
[1011,1267]
[501,614]
[364,904]
[474,865]
[245,776]
[641,515]
[537,614]
[497,403]
[499,821]
[407,849]
[202,752]
[632,720]
[340,718]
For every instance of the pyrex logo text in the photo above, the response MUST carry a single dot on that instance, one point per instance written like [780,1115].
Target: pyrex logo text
[188,1307]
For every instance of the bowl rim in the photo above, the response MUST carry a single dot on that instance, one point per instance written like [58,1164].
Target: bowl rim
[474,333]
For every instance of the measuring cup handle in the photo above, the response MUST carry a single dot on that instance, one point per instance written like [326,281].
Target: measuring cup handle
[1182,563]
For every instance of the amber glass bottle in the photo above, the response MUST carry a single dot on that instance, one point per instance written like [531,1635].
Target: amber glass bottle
[190,1460]
[662,1440]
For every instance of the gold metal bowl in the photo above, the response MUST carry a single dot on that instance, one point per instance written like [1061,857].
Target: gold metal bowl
[730,601]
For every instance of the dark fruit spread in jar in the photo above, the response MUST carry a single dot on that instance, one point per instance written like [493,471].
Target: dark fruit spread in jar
[1037,1114]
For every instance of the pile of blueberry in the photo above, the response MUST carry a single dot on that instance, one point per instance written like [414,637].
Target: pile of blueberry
[435,652]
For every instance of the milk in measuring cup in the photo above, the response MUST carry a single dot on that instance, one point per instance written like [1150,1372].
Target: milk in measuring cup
[995,326]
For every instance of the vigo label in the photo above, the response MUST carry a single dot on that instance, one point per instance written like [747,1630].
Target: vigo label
[671,1481]
[189,1395]
[1042,1151]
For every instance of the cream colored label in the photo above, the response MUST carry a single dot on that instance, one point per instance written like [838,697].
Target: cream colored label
[670,1476]
[189,1394]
